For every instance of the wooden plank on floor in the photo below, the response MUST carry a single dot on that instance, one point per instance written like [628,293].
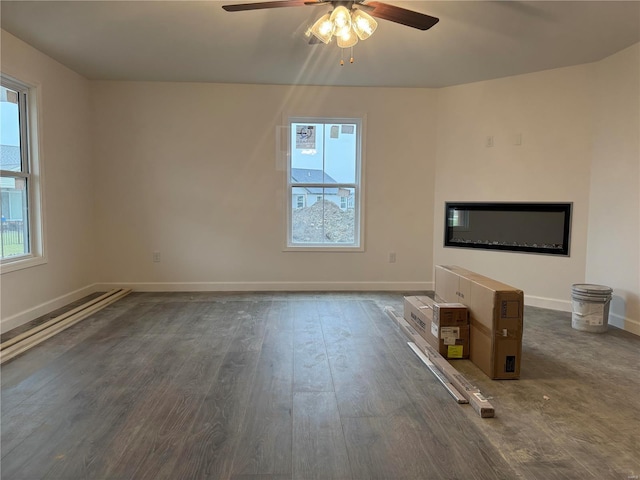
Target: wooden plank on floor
[319,449]
[311,365]
[382,448]
[37,335]
[264,437]
[208,447]
[476,399]
[445,383]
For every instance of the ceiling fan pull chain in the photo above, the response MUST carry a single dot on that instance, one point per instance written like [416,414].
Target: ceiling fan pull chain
[342,57]
[351,61]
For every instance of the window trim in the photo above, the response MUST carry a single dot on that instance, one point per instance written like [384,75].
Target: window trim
[359,210]
[34,174]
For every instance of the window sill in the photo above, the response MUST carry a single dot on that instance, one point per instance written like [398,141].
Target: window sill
[8,266]
[337,249]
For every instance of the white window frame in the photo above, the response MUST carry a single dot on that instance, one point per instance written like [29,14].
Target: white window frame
[358,186]
[29,105]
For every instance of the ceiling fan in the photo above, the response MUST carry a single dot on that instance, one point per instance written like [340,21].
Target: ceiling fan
[381,10]
[348,21]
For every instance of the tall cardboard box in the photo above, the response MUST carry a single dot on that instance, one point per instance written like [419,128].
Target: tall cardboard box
[496,318]
[444,326]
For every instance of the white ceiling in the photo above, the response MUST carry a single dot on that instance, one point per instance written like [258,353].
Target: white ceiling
[198,41]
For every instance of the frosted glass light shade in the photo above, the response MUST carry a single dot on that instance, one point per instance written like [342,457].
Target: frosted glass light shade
[347,39]
[341,19]
[323,28]
[363,24]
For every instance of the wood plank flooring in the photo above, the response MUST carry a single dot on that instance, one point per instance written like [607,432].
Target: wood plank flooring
[304,386]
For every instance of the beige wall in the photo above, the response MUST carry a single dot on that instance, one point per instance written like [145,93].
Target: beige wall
[191,170]
[68,189]
[580,129]
[552,112]
[613,245]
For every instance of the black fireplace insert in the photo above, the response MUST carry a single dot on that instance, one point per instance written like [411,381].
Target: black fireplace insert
[543,228]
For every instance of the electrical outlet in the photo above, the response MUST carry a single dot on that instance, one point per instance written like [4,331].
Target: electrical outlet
[156,257]
[392,257]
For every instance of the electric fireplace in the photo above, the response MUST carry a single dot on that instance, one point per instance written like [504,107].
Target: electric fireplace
[543,228]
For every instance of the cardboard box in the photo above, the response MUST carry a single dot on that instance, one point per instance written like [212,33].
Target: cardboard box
[444,326]
[449,314]
[496,318]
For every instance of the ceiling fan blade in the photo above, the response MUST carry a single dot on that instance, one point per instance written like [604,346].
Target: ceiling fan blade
[403,16]
[262,5]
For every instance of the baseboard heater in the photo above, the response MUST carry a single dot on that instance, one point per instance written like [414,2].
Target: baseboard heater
[23,342]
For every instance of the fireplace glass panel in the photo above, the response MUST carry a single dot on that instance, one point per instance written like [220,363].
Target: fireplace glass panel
[518,227]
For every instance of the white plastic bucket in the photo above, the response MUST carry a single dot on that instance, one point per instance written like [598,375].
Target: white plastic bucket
[590,307]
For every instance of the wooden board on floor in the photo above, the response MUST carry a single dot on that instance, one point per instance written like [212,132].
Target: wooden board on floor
[473,395]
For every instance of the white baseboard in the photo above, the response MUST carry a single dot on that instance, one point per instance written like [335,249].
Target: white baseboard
[21,318]
[627,324]
[550,303]
[271,286]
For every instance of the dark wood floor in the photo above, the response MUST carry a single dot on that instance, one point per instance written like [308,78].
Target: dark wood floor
[308,386]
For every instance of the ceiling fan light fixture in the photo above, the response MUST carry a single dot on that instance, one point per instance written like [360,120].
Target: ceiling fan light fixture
[348,22]
[323,28]
[363,24]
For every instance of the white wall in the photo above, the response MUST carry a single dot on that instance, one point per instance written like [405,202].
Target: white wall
[68,189]
[552,112]
[191,170]
[613,246]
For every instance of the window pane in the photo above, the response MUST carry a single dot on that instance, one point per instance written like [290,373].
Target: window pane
[323,220]
[9,131]
[339,216]
[307,151]
[307,222]
[340,152]
[15,239]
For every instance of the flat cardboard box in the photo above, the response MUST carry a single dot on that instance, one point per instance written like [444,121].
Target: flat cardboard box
[496,318]
[447,330]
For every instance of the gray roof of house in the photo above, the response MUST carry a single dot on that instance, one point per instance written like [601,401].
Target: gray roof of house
[307,175]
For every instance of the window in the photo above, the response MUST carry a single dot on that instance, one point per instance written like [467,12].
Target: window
[325,167]
[20,228]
